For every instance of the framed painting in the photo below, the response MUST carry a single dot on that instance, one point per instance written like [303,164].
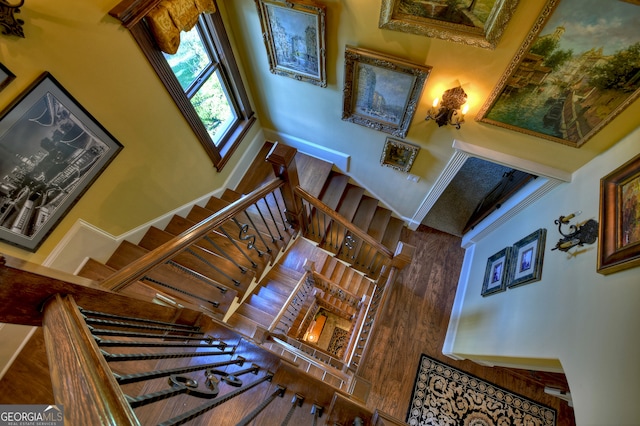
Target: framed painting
[294,35]
[6,76]
[574,73]
[52,151]
[381,92]
[497,272]
[398,155]
[527,256]
[619,242]
[477,23]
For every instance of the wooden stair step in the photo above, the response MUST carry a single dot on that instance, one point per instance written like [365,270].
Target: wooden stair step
[392,233]
[273,296]
[312,172]
[379,223]
[255,314]
[334,189]
[263,304]
[98,271]
[216,204]
[364,214]
[202,262]
[351,199]
[242,324]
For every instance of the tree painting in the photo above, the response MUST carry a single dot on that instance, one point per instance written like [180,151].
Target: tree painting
[581,69]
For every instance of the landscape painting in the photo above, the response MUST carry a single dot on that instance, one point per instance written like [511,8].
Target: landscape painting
[294,35]
[380,91]
[577,70]
[476,22]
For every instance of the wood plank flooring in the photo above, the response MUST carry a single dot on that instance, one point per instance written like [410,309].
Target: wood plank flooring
[415,321]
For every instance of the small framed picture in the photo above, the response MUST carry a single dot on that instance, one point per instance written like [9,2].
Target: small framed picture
[496,274]
[6,76]
[526,259]
[398,155]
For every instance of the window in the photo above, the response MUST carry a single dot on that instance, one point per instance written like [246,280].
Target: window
[203,79]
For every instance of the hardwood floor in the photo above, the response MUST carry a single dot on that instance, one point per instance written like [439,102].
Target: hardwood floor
[415,321]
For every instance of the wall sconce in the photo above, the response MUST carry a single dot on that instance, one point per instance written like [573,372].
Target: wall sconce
[449,111]
[587,233]
[10,25]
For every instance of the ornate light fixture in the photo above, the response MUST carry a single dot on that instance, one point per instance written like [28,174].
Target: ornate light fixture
[10,25]
[451,110]
[586,233]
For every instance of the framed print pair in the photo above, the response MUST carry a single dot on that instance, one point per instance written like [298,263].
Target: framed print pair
[517,265]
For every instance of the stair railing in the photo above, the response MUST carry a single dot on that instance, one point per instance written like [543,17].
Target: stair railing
[292,307]
[182,243]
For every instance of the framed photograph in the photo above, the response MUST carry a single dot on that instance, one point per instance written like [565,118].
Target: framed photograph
[381,92]
[619,242]
[6,76]
[476,23]
[52,151]
[398,155]
[527,256]
[497,272]
[294,35]
[567,82]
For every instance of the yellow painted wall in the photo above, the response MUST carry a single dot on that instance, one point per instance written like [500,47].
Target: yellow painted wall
[162,165]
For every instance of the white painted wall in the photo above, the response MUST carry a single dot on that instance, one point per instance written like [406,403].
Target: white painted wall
[588,321]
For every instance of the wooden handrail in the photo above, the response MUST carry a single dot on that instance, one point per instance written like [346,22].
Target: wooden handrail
[82,380]
[138,268]
[294,293]
[379,247]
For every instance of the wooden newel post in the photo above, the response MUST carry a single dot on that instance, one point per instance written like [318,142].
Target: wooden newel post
[282,158]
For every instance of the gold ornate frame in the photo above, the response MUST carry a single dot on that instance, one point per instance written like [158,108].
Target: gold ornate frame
[274,37]
[486,37]
[613,253]
[398,155]
[521,64]
[386,68]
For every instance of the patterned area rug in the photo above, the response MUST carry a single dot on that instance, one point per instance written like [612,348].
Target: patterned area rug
[338,342]
[443,395]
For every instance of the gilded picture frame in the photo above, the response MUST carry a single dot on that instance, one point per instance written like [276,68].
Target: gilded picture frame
[496,273]
[294,36]
[567,81]
[478,24]
[53,150]
[381,92]
[619,239]
[527,256]
[398,155]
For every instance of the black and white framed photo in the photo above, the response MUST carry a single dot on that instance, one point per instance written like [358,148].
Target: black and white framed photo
[497,272]
[52,150]
[527,256]
[6,76]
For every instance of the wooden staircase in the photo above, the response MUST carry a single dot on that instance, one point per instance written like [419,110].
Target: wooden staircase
[248,286]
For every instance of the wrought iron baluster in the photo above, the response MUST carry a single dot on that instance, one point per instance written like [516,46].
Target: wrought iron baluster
[192,414]
[280,210]
[195,296]
[122,324]
[317,411]
[228,256]
[258,233]
[160,355]
[250,246]
[295,403]
[119,333]
[140,377]
[87,313]
[201,277]
[275,223]
[147,344]
[266,225]
[279,392]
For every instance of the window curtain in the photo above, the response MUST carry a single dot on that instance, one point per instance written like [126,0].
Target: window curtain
[170,17]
